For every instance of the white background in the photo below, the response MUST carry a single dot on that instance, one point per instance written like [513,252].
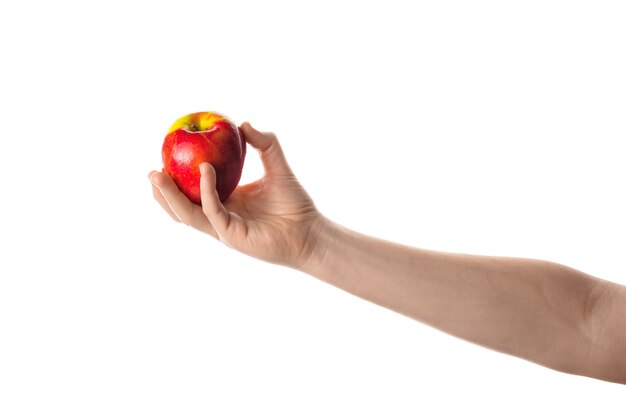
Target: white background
[483,127]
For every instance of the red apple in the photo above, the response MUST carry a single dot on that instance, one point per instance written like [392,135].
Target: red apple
[200,137]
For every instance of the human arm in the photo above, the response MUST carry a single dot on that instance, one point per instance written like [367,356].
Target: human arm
[538,310]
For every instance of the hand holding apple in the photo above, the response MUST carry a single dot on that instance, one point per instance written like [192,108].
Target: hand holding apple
[204,137]
[273,218]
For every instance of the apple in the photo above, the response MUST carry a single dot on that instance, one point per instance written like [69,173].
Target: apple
[204,137]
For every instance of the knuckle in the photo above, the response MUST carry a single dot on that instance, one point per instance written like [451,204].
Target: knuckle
[195,224]
[186,219]
[272,147]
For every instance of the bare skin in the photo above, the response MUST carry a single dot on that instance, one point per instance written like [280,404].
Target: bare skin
[538,310]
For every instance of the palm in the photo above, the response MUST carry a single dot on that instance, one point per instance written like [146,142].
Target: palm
[271,218]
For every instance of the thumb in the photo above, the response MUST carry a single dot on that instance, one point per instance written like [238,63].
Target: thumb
[212,208]
[269,148]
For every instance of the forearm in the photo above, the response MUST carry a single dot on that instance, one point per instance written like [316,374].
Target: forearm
[532,309]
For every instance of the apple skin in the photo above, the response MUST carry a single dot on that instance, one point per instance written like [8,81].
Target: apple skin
[204,137]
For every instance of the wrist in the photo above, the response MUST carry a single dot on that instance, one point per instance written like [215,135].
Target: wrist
[321,234]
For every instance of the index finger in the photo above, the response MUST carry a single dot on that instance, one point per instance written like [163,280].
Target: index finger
[188,212]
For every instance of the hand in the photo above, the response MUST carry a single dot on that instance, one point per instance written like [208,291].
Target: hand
[273,219]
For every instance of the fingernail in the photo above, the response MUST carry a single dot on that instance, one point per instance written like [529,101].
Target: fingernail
[150,176]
